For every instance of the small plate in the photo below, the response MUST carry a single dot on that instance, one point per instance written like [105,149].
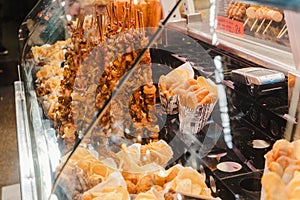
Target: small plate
[260,144]
[229,166]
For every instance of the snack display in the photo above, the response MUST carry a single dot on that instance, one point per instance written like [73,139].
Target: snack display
[260,21]
[193,99]
[136,117]
[62,94]
[282,168]
[79,76]
[129,175]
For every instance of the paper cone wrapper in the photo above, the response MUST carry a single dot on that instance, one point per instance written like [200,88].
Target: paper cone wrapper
[171,104]
[193,120]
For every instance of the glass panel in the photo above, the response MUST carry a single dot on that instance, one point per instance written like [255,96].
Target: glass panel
[123,108]
[284,5]
[258,24]
[133,133]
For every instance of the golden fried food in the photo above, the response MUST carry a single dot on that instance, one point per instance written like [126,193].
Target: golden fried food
[276,167]
[273,186]
[189,181]
[158,188]
[134,178]
[131,187]
[146,195]
[282,174]
[173,173]
[100,169]
[159,180]
[145,183]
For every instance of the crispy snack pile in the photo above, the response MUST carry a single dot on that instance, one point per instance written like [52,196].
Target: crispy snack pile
[282,173]
[137,172]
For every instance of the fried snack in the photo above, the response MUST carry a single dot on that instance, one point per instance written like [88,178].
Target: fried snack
[159,180]
[158,188]
[160,152]
[162,177]
[176,79]
[293,188]
[134,178]
[195,98]
[281,178]
[144,184]
[296,145]
[197,92]
[172,173]
[282,147]
[276,167]
[111,193]
[273,186]
[131,187]
[289,173]
[99,168]
[146,195]
[190,182]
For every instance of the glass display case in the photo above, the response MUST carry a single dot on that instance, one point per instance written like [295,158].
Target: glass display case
[120,102]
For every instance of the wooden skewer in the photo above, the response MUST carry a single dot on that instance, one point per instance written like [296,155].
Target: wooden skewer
[269,24]
[117,16]
[137,21]
[142,23]
[104,25]
[93,17]
[112,22]
[263,21]
[125,18]
[108,11]
[130,10]
[246,21]
[254,23]
[80,19]
[99,25]
[283,32]
[283,28]
[128,18]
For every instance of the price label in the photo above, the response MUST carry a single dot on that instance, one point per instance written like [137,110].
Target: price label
[230,26]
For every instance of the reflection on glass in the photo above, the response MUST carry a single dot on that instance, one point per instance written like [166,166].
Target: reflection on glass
[102,88]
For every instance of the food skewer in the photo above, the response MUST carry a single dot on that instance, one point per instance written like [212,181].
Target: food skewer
[250,13]
[273,15]
[127,23]
[254,23]
[112,22]
[246,21]
[236,10]
[99,26]
[283,32]
[283,28]
[269,24]
[125,18]
[261,15]
[259,27]
[130,10]
[116,15]
[258,16]
[142,23]
[104,26]
[137,22]
[108,11]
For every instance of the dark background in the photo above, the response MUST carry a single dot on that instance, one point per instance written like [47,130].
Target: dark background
[15,9]
[12,13]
